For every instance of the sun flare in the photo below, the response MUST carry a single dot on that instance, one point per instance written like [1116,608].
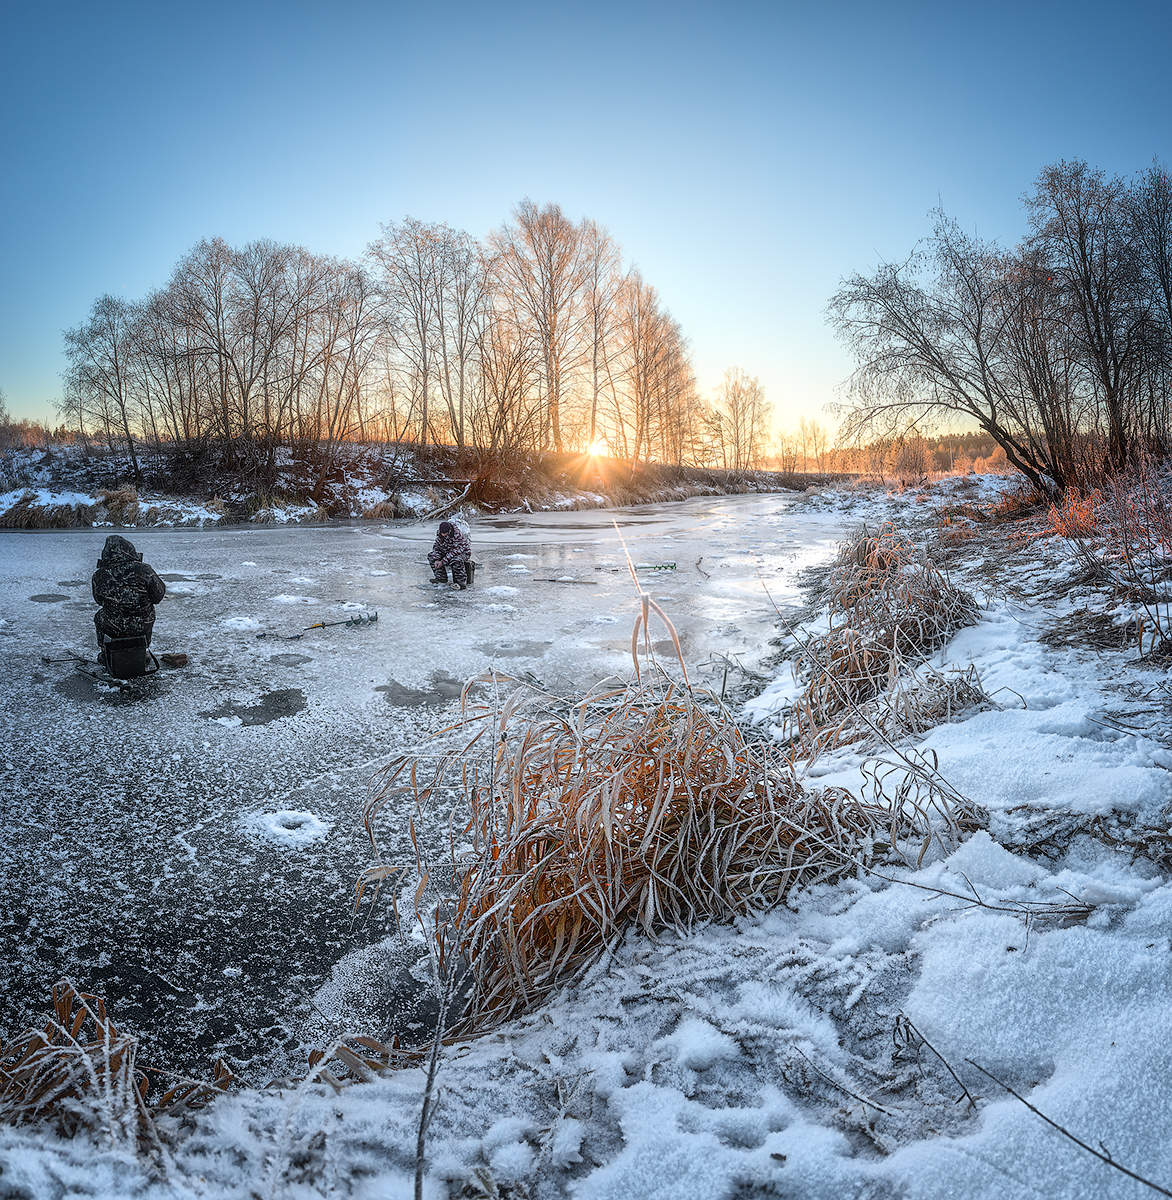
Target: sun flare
[597,449]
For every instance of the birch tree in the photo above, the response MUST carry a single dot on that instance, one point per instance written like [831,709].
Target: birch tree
[541,264]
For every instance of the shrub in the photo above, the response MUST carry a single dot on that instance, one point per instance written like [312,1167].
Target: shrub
[889,605]
[1138,546]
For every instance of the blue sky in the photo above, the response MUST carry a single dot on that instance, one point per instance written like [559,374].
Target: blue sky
[745,155]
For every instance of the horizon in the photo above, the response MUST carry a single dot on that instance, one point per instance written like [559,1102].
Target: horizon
[744,192]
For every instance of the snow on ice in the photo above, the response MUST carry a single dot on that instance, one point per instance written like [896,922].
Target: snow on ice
[289,827]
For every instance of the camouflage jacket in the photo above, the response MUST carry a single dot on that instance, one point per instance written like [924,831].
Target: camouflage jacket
[126,588]
[451,547]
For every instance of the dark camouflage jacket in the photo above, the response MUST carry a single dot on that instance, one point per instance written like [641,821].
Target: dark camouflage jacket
[126,588]
[450,545]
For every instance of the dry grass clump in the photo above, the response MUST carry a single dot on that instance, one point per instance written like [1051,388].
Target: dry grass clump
[78,1069]
[1076,515]
[642,806]
[1084,628]
[889,605]
[28,513]
[956,528]
[121,505]
[80,1072]
[384,510]
[926,699]
[1016,503]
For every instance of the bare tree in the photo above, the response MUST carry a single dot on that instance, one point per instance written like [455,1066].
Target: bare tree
[1150,211]
[462,287]
[408,264]
[745,417]
[603,280]
[930,335]
[98,379]
[7,430]
[509,420]
[1079,217]
[541,263]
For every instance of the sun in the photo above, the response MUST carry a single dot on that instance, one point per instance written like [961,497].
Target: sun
[597,449]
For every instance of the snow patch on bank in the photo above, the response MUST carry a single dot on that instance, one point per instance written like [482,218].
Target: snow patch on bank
[733,1059]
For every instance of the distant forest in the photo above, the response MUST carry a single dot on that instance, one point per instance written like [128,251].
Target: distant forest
[906,458]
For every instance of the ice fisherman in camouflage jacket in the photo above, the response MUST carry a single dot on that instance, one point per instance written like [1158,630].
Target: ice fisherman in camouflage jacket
[127,589]
[452,549]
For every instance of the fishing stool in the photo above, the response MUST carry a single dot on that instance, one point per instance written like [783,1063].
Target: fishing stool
[128,657]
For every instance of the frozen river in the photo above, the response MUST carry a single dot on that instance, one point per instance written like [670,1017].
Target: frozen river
[141,855]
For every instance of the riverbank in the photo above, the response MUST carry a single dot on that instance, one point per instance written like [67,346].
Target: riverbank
[68,487]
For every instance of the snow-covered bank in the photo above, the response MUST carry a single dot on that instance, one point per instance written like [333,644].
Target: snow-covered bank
[810,1051]
[759,1059]
[65,487]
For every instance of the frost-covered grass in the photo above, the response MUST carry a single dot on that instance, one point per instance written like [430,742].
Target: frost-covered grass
[644,807]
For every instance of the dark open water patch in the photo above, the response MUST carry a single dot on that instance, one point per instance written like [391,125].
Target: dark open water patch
[290,660]
[86,689]
[444,687]
[272,706]
[71,583]
[48,598]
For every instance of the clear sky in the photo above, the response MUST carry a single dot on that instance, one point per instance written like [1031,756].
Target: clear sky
[745,155]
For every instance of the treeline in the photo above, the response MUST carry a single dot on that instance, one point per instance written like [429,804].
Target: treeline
[1059,349]
[909,458]
[26,433]
[536,338]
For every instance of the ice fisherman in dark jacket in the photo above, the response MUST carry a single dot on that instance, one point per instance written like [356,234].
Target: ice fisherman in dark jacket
[127,589]
[452,549]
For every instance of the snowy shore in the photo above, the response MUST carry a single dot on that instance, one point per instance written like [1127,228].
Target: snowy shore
[64,487]
[850,1044]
